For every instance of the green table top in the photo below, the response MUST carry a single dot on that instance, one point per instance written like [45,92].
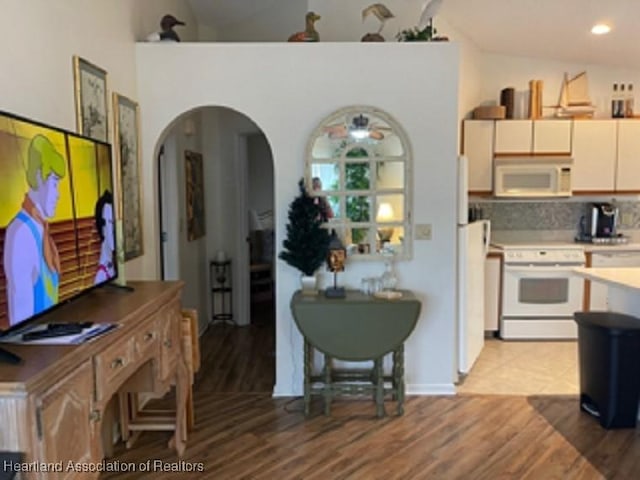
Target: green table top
[358,327]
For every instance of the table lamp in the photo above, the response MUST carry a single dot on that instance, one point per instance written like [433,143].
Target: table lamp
[385,214]
[336,257]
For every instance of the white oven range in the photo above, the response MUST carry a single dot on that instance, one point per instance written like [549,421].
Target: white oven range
[539,291]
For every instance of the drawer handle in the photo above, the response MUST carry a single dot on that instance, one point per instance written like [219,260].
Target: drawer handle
[95,416]
[148,336]
[118,362]
[167,343]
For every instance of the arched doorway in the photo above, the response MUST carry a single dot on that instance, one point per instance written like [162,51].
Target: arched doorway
[237,191]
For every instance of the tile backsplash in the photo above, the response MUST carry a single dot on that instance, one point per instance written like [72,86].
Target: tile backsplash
[549,215]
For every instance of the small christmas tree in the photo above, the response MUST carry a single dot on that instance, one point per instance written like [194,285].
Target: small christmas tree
[307,243]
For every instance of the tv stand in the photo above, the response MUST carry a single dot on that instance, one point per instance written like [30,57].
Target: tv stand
[7,357]
[126,288]
[65,391]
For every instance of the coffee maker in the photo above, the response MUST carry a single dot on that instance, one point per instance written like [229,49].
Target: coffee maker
[601,220]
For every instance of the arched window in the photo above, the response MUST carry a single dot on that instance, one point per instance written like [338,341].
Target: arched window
[359,165]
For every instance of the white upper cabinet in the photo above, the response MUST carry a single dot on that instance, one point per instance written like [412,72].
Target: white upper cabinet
[594,155]
[478,148]
[628,171]
[552,136]
[513,137]
[527,137]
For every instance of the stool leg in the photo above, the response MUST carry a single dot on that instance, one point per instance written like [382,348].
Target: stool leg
[307,378]
[379,382]
[327,385]
[398,377]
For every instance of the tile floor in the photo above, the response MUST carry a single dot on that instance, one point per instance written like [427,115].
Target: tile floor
[524,368]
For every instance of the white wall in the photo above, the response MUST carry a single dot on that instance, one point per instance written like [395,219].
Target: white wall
[281,88]
[260,174]
[500,71]
[273,24]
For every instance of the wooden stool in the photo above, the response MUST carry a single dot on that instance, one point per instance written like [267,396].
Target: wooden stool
[134,419]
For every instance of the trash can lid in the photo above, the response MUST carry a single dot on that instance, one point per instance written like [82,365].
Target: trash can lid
[615,323]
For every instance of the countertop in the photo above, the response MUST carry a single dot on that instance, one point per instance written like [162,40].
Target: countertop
[628,278]
[588,247]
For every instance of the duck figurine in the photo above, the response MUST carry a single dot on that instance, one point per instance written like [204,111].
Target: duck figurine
[167,34]
[309,34]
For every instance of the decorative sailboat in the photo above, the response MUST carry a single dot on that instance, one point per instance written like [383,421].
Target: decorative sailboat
[574,98]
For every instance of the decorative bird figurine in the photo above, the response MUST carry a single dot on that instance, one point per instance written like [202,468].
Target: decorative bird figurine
[167,34]
[429,11]
[380,11]
[309,34]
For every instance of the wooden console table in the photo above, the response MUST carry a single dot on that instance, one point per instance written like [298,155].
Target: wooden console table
[53,404]
[356,328]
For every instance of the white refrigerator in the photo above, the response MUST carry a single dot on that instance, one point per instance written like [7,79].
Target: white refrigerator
[473,246]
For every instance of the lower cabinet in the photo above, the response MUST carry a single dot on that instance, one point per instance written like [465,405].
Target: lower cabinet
[67,427]
[492,275]
[598,299]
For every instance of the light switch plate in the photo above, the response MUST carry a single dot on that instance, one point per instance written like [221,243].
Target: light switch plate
[423,231]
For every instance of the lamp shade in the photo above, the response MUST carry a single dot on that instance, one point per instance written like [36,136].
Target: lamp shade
[385,212]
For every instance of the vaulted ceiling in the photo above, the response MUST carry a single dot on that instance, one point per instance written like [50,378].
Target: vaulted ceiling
[553,29]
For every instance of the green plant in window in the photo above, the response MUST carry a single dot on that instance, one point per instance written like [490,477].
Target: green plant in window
[357,178]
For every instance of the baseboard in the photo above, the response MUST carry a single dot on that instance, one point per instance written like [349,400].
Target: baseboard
[431,389]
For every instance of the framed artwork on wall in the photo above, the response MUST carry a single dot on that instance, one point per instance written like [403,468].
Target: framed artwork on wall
[91,99]
[194,177]
[127,147]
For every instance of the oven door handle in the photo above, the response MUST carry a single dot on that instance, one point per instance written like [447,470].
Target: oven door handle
[560,270]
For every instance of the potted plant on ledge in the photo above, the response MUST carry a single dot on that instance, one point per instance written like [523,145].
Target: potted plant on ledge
[307,242]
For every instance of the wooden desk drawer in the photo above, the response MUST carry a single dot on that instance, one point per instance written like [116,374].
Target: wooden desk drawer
[112,366]
[146,342]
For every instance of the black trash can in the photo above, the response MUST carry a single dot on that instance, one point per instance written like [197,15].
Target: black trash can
[609,354]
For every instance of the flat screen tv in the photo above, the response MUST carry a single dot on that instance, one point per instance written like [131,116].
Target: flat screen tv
[57,232]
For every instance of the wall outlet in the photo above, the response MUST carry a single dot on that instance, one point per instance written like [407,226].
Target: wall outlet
[423,231]
[627,219]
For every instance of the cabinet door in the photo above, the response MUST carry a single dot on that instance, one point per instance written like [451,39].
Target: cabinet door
[594,155]
[552,136]
[492,293]
[628,171]
[478,148]
[66,427]
[513,137]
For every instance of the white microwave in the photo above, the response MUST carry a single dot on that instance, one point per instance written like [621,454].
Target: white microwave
[532,176]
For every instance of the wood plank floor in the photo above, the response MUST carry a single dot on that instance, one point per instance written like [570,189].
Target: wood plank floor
[243,433]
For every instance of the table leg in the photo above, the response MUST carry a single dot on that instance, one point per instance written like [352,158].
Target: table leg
[398,377]
[327,385]
[379,382]
[307,377]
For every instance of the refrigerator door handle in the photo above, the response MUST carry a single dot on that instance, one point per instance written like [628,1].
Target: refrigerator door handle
[487,236]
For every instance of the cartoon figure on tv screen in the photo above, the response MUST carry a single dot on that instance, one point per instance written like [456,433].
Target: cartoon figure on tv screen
[31,259]
[104,226]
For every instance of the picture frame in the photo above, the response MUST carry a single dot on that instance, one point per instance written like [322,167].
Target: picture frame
[194,178]
[91,98]
[126,115]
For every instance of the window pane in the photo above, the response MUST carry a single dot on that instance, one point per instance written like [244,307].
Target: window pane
[357,152]
[390,238]
[390,146]
[357,176]
[335,202]
[328,173]
[390,208]
[358,209]
[390,174]
[361,241]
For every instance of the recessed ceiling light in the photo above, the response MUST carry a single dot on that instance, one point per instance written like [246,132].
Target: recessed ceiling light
[600,29]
